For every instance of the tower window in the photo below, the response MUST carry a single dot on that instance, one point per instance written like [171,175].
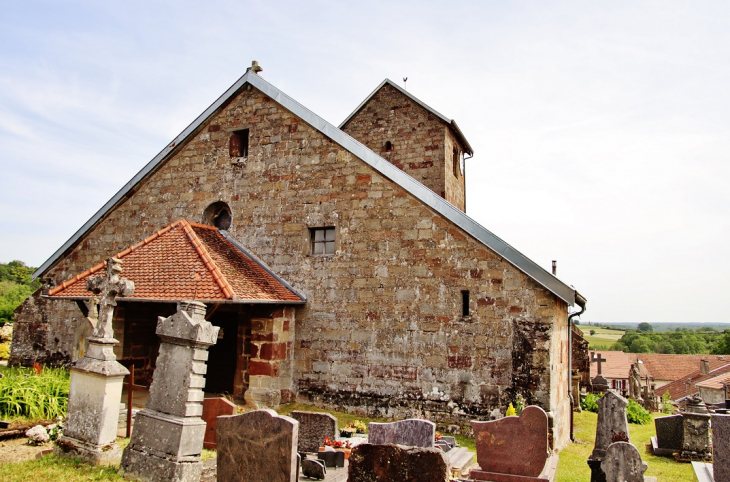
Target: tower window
[455,163]
[388,146]
[323,241]
[465,303]
[238,144]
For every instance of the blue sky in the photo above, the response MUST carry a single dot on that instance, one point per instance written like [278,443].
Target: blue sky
[600,130]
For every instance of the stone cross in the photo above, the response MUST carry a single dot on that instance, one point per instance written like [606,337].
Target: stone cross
[597,358]
[108,288]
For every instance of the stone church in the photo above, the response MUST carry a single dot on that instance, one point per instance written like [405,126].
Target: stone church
[338,262]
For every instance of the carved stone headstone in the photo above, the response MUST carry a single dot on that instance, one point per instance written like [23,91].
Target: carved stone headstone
[314,469]
[721,446]
[612,426]
[96,378]
[696,439]
[258,446]
[212,409]
[313,428]
[514,446]
[412,433]
[669,435]
[623,463]
[388,463]
[167,440]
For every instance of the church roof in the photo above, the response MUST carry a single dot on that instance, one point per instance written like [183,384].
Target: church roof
[187,261]
[418,190]
[450,122]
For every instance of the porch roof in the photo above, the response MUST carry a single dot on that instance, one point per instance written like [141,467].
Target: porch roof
[190,261]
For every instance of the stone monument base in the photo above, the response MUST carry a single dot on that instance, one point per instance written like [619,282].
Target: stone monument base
[547,474]
[597,474]
[69,447]
[660,451]
[150,467]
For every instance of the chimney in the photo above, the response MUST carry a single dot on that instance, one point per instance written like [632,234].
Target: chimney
[555,267]
[704,367]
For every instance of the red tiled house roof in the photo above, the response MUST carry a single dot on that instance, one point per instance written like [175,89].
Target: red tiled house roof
[686,385]
[717,383]
[617,365]
[673,367]
[190,261]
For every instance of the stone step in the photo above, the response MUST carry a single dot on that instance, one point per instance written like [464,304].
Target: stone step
[460,460]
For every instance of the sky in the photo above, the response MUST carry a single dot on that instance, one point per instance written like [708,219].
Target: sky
[601,130]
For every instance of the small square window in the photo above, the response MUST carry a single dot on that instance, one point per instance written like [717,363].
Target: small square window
[323,241]
[238,144]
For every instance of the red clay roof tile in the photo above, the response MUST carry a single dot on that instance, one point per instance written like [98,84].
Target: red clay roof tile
[188,261]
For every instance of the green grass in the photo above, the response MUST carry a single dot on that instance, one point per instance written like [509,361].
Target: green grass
[25,394]
[573,466]
[603,338]
[58,469]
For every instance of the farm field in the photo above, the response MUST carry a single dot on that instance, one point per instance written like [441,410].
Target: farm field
[603,337]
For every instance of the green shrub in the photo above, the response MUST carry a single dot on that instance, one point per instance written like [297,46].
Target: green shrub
[589,402]
[44,396]
[637,414]
[519,404]
[667,406]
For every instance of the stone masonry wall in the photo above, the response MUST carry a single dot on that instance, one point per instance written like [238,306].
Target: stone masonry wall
[382,330]
[422,143]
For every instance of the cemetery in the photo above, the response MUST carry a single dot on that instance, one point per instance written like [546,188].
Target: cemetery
[180,433]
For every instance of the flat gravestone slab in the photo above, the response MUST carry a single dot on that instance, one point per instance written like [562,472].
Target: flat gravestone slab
[389,463]
[258,446]
[212,409]
[313,428]
[513,445]
[721,446]
[669,432]
[413,432]
[623,463]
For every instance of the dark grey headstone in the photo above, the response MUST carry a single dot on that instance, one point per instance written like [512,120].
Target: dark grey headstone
[669,432]
[623,462]
[376,463]
[721,446]
[258,446]
[412,433]
[313,428]
[332,459]
[314,469]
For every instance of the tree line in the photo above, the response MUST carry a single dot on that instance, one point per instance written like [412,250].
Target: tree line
[15,286]
[703,340]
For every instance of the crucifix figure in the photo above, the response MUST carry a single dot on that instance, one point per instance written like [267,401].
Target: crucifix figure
[597,358]
[105,290]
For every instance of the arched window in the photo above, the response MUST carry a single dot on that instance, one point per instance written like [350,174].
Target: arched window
[219,215]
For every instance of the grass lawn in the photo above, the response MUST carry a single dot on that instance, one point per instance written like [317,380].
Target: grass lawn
[573,464]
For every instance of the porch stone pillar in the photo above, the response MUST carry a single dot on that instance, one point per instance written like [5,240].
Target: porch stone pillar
[167,440]
[270,367]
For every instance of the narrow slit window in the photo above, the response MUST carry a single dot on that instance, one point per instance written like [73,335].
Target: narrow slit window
[455,164]
[464,303]
[323,241]
[238,144]
[388,146]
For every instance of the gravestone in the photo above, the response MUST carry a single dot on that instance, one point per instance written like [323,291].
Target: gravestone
[623,463]
[612,426]
[514,448]
[669,435]
[313,469]
[412,433]
[167,440]
[313,428]
[332,458]
[721,446]
[96,378]
[258,446]
[696,439]
[388,463]
[212,409]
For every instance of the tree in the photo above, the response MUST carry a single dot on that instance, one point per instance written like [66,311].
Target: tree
[593,332]
[645,328]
